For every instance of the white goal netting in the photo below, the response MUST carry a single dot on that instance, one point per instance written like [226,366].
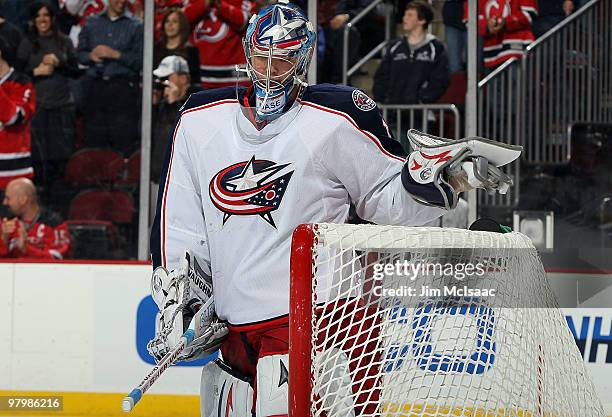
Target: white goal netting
[433,322]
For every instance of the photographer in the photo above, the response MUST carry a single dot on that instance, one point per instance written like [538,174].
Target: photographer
[172,89]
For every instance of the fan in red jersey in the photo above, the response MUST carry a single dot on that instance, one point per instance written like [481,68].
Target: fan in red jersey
[17,105]
[34,232]
[506,28]
[218,27]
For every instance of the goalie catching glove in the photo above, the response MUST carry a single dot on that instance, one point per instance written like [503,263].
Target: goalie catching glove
[185,300]
[453,166]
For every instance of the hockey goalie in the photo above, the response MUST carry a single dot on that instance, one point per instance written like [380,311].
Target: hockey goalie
[245,166]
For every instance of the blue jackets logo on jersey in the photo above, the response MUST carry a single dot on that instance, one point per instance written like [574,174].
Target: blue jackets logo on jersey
[362,101]
[254,187]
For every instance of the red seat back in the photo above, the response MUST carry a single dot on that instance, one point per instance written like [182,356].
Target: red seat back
[457,88]
[113,206]
[94,166]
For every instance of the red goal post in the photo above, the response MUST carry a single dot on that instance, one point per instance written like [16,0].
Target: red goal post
[300,313]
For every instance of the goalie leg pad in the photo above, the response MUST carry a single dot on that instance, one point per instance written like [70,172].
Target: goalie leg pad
[272,385]
[223,392]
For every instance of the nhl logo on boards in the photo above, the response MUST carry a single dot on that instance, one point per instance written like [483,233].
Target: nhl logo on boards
[362,101]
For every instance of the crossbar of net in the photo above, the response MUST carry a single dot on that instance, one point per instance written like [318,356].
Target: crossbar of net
[511,355]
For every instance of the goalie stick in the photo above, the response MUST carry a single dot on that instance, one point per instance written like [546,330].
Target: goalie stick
[130,401]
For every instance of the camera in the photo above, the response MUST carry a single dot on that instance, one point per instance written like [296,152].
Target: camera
[159,83]
[5,211]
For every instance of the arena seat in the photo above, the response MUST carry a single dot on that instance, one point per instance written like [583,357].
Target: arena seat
[457,89]
[454,94]
[114,206]
[94,166]
[93,239]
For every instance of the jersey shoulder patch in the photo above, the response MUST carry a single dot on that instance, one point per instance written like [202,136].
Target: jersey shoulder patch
[355,105]
[343,98]
[362,101]
[205,97]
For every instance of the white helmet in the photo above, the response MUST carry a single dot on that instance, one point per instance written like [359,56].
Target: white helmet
[278,46]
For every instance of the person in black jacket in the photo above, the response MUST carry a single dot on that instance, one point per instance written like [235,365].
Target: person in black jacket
[49,58]
[414,68]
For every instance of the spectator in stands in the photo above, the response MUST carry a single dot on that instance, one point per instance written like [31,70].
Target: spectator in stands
[332,15]
[78,11]
[111,45]
[506,29]
[551,13]
[174,41]
[162,8]
[81,10]
[33,232]
[12,37]
[17,104]
[49,58]
[173,75]
[218,27]
[415,68]
[455,33]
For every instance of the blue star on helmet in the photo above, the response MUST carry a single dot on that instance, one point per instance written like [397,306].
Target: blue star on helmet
[280,28]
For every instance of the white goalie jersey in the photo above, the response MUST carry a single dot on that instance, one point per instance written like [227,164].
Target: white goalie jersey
[234,195]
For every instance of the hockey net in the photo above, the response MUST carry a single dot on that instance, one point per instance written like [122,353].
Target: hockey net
[487,344]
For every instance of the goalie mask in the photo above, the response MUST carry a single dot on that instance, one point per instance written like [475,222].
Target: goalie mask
[278,46]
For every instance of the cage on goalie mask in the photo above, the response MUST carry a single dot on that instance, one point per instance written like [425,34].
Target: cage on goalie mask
[278,46]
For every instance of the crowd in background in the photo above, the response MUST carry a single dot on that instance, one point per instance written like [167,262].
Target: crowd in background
[71,71]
